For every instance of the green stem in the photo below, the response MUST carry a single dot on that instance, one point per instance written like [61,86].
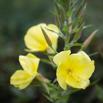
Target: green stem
[66,92]
[53,49]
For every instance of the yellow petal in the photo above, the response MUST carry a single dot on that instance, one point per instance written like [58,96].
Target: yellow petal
[62,57]
[73,60]
[84,56]
[85,71]
[85,67]
[34,38]
[21,79]
[61,81]
[76,82]
[61,70]
[84,83]
[29,63]
[28,81]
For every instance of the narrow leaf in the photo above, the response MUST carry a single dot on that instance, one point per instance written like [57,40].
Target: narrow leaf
[54,13]
[36,84]
[77,35]
[93,54]
[77,44]
[50,54]
[48,98]
[94,82]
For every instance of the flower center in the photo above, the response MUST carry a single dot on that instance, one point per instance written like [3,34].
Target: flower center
[69,72]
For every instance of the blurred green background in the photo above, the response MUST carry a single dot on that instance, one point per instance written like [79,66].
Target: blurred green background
[16,16]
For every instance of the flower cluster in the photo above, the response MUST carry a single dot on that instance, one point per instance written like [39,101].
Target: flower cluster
[73,69]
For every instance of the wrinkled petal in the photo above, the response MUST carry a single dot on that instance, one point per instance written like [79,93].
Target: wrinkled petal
[62,57]
[76,82]
[35,40]
[29,63]
[21,79]
[84,71]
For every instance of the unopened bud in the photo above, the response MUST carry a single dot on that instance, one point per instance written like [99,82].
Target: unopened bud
[88,40]
[46,37]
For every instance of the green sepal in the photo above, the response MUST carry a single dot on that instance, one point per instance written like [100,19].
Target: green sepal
[46,37]
[79,9]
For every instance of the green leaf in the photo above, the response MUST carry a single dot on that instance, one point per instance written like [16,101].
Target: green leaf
[48,98]
[94,82]
[78,44]
[50,85]
[84,27]
[65,29]
[77,35]
[36,84]
[50,54]
[69,13]
[48,62]
[99,92]
[54,13]
[93,54]
[63,99]
[100,52]
[55,32]
[74,90]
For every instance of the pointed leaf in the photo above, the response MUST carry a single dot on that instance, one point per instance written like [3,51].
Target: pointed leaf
[77,35]
[93,54]
[36,84]
[94,82]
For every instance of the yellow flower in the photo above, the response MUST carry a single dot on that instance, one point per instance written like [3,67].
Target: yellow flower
[22,78]
[35,40]
[74,70]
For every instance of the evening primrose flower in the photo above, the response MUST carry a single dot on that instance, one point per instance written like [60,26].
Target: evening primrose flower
[34,38]
[22,78]
[73,70]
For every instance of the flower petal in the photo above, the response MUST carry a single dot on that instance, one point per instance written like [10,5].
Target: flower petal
[62,57]
[61,70]
[61,81]
[34,38]
[29,63]
[22,79]
[85,71]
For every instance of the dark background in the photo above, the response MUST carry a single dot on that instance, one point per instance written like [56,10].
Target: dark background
[16,16]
